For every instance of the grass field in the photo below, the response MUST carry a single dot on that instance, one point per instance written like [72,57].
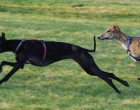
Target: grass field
[64,85]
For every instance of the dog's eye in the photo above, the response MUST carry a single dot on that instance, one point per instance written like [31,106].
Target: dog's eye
[108,31]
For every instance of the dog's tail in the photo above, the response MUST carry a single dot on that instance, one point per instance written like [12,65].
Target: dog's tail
[94,39]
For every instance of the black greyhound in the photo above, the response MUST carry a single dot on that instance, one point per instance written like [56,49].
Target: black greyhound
[41,53]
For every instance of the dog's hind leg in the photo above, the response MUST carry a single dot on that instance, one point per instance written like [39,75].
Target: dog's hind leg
[86,61]
[111,75]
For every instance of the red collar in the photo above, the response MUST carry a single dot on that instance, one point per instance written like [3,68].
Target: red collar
[43,44]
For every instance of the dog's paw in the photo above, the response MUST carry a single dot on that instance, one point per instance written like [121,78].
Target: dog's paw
[118,91]
[125,83]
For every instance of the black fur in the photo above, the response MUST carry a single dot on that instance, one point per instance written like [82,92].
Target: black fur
[32,51]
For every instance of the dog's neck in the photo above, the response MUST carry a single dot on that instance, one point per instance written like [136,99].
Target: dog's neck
[11,45]
[122,39]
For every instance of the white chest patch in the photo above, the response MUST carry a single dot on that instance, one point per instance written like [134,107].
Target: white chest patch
[122,44]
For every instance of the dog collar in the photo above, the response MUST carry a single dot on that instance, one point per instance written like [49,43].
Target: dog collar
[128,48]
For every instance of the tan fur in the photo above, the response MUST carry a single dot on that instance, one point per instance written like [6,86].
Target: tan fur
[114,32]
[135,48]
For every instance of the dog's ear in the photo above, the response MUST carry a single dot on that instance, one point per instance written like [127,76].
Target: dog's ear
[116,27]
[3,37]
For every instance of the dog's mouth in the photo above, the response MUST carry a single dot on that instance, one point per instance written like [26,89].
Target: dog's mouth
[102,38]
[106,38]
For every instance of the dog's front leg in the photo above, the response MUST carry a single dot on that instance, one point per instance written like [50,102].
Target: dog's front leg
[3,63]
[17,66]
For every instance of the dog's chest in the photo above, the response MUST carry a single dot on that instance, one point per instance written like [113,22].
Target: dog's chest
[135,47]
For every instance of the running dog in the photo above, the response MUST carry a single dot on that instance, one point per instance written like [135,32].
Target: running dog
[129,43]
[42,53]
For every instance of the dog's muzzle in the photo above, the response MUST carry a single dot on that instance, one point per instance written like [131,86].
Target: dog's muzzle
[102,38]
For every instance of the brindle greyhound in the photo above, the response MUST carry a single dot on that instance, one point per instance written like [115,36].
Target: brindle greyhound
[43,53]
[130,44]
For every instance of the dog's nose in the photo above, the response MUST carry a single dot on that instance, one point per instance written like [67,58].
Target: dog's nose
[98,37]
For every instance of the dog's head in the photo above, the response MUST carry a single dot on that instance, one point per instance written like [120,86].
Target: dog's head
[110,33]
[2,42]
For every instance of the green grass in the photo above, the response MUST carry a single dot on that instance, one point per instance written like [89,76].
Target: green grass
[64,85]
